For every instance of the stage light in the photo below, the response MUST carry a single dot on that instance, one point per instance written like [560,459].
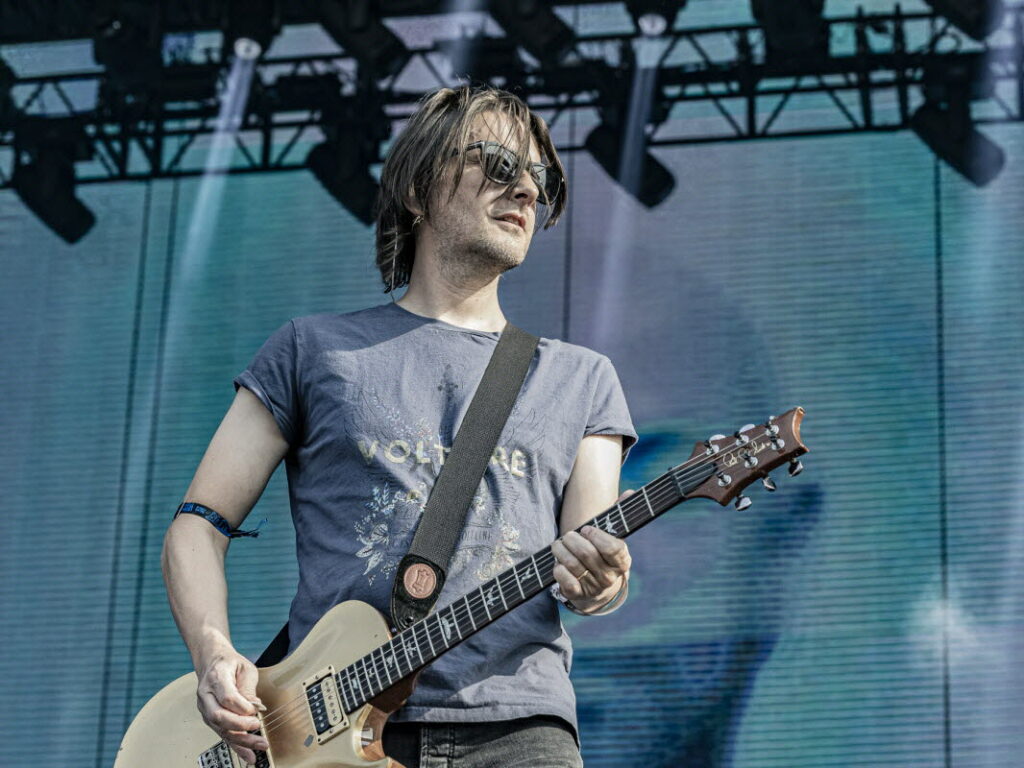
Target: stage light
[949,84]
[977,18]
[46,182]
[356,26]
[249,28]
[654,17]
[342,162]
[128,45]
[536,27]
[185,82]
[648,180]
[486,59]
[8,110]
[794,31]
[958,143]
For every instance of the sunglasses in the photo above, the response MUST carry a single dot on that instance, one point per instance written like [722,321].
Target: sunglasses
[502,166]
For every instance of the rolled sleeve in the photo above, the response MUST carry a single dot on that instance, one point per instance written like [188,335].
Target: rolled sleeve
[609,414]
[272,377]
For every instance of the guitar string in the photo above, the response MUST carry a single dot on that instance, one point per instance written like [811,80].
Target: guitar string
[508,579]
[546,558]
[476,609]
[503,582]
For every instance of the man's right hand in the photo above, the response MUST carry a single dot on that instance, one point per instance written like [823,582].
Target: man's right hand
[227,700]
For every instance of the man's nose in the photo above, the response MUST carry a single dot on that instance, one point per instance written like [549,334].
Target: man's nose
[526,187]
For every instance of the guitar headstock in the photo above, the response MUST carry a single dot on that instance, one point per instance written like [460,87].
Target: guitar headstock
[749,454]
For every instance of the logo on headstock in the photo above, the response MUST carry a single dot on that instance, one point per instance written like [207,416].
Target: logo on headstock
[752,448]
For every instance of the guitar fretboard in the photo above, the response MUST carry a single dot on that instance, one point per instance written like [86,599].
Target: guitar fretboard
[424,641]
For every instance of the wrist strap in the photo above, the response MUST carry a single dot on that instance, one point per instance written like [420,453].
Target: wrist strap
[608,607]
[218,522]
[421,573]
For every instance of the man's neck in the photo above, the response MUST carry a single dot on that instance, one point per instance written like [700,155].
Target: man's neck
[468,303]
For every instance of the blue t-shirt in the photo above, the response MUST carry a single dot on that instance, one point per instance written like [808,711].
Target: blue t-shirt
[369,403]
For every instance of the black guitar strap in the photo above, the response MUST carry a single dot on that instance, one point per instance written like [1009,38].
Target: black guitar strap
[421,573]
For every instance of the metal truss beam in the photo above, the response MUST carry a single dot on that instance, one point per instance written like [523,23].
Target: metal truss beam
[711,85]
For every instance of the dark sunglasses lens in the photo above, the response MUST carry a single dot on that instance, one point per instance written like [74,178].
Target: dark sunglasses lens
[499,163]
[548,182]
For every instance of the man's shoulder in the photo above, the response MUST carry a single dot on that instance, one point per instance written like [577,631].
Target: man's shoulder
[339,322]
[339,318]
[570,350]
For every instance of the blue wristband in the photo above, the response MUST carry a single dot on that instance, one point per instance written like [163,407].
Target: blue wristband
[218,522]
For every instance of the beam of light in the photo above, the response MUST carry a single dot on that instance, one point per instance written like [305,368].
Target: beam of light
[202,222]
[210,197]
[982,291]
[461,54]
[615,267]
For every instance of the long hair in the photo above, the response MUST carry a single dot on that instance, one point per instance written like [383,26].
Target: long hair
[418,160]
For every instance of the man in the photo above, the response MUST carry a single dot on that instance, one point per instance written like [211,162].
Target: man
[363,408]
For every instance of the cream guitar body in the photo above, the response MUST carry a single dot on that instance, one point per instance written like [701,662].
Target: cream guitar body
[327,703]
[170,733]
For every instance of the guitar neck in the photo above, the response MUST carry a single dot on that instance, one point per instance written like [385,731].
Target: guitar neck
[418,645]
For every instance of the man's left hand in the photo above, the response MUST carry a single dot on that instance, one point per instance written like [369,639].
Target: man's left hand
[590,566]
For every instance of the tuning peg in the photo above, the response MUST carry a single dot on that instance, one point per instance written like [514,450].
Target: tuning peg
[768,483]
[742,439]
[795,468]
[742,502]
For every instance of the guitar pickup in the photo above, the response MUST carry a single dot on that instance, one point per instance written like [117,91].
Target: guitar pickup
[324,701]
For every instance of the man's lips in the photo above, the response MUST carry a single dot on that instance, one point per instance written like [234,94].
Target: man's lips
[513,218]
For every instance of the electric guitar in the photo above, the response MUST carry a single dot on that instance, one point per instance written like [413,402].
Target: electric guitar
[326,704]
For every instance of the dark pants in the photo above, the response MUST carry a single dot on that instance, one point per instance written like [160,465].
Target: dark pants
[532,742]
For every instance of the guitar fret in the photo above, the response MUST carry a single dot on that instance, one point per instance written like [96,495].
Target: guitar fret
[376,674]
[469,611]
[366,673]
[622,517]
[501,592]
[483,599]
[540,581]
[342,679]
[643,490]
[398,664]
[384,664]
[405,649]
[362,693]
[426,631]
[515,572]
[455,621]
[416,644]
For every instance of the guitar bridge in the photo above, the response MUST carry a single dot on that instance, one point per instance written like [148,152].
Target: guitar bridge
[220,756]
[324,702]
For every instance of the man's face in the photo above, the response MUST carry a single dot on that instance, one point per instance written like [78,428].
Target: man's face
[469,228]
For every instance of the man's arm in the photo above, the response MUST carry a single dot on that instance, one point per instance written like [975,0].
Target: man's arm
[602,558]
[235,469]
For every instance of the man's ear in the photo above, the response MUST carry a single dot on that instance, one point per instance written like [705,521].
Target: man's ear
[412,203]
